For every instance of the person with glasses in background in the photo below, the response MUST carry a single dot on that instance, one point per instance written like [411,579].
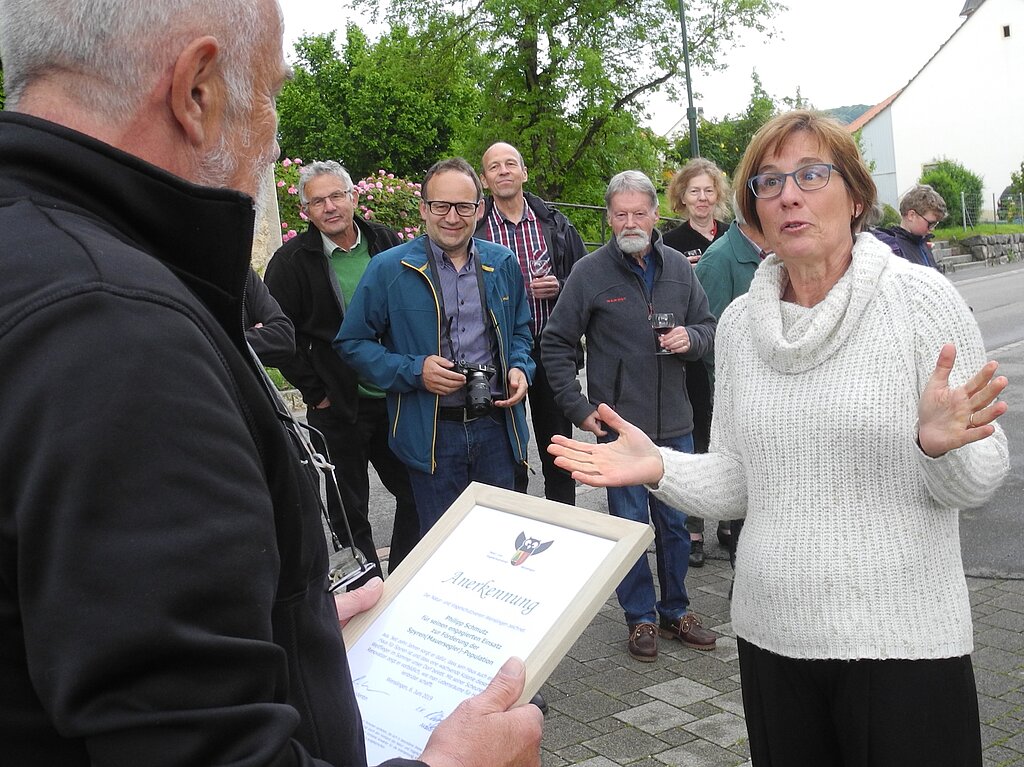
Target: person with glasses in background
[921,210]
[855,415]
[442,325]
[699,194]
[313,277]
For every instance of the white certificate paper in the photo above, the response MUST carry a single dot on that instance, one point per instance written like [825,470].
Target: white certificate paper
[494,586]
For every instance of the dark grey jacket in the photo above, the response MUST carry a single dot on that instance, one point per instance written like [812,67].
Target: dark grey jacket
[608,302]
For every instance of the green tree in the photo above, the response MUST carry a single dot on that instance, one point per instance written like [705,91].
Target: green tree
[569,78]
[949,178]
[724,141]
[1017,181]
[397,104]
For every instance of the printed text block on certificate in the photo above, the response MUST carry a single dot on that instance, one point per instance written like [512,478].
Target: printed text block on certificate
[500,574]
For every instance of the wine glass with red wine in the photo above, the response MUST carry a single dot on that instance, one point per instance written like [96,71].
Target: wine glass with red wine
[662,322]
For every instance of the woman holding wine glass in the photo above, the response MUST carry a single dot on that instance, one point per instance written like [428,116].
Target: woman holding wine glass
[699,194]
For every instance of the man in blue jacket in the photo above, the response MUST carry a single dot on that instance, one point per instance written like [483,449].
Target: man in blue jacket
[921,210]
[441,323]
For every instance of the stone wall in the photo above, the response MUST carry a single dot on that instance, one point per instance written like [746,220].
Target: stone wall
[267,237]
[994,248]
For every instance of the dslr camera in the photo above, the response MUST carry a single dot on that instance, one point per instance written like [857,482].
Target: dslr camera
[478,387]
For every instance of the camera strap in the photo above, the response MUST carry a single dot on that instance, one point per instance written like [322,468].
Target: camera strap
[347,563]
[446,321]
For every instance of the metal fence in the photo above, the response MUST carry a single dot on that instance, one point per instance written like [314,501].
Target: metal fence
[1005,209]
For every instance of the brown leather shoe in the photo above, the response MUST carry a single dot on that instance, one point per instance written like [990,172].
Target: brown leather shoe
[689,631]
[643,642]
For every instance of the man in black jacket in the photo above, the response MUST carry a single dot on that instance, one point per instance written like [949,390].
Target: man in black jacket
[313,276]
[547,246]
[921,210]
[268,329]
[163,568]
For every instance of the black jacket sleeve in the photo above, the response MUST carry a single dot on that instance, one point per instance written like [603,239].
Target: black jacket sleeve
[274,339]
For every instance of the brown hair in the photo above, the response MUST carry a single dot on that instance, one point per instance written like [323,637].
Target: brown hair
[696,167]
[832,138]
[922,199]
[456,165]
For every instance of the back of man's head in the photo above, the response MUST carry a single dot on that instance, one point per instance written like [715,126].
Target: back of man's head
[107,55]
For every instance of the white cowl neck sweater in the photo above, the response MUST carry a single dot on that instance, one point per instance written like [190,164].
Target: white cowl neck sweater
[851,544]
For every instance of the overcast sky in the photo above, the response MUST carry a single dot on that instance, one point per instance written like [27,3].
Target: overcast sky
[838,53]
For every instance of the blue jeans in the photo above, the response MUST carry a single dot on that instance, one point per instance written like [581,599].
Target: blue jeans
[672,549]
[476,451]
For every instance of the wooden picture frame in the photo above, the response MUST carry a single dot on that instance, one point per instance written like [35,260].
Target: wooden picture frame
[597,550]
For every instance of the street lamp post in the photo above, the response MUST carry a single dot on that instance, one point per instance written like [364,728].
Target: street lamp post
[691,112]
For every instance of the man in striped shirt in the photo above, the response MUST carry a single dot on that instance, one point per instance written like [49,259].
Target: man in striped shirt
[547,246]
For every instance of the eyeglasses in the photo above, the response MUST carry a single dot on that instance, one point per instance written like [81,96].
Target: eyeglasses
[336,198]
[639,216]
[809,178]
[441,207]
[931,224]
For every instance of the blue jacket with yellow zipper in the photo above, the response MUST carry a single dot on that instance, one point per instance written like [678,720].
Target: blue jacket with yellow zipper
[393,324]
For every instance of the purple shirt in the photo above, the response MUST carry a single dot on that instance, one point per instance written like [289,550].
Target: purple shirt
[470,341]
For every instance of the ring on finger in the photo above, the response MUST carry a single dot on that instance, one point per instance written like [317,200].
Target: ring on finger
[971,420]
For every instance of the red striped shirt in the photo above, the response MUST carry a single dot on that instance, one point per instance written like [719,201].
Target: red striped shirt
[526,240]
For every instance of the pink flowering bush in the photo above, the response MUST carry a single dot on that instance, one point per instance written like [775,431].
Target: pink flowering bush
[286,178]
[391,201]
[383,198]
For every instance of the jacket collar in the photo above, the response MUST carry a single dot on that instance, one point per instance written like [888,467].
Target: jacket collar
[203,235]
[744,248]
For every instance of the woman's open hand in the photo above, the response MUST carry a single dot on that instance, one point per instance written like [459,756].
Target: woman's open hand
[632,459]
[948,418]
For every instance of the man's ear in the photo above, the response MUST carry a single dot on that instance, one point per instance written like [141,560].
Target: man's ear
[197,91]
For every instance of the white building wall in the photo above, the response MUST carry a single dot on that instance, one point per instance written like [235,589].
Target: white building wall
[876,141]
[967,104]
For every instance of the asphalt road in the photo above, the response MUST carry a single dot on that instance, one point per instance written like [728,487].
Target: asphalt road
[992,537]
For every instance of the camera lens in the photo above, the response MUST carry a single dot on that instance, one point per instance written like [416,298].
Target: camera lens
[478,393]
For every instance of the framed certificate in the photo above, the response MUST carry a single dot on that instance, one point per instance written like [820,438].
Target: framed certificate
[501,574]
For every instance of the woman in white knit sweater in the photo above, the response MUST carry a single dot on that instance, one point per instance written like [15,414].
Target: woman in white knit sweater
[852,387]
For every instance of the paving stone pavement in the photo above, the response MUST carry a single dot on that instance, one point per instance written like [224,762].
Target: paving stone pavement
[685,709]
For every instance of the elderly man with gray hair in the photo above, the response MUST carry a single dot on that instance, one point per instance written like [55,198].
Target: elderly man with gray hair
[164,593]
[612,297]
[313,277]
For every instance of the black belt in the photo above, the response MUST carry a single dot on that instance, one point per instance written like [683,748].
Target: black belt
[462,415]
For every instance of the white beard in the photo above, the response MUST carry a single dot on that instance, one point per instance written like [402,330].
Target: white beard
[633,241]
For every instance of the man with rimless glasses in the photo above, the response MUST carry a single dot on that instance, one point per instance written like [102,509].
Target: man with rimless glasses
[441,323]
[922,209]
[313,277]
